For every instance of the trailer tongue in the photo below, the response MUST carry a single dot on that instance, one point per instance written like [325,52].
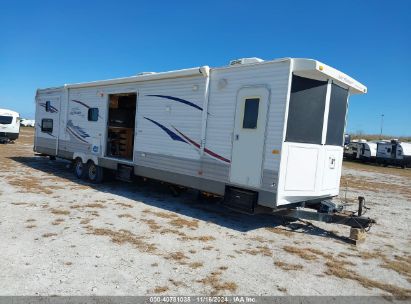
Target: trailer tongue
[329,212]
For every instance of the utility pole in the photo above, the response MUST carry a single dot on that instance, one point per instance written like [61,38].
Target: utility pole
[382,124]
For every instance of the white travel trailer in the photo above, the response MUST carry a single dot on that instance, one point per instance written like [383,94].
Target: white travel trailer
[368,151]
[394,153]
[9,125]
[27,122]
[259,132]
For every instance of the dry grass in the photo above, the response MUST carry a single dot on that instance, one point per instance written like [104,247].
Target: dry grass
[31,185]
[279,231]
[125,205]
[288,266]
[303,253]
[203,238]
[181,223]
[176,256]
[85,221]
[172,231]
[59,211]
[160,289]
[259,250]
[196,265]
[339,270]
[401,265]
[377,169]
[218,286]
[91,205]
[126,215]
[165,215]
[57,221]
[152,224]
[124,237]
[47,235]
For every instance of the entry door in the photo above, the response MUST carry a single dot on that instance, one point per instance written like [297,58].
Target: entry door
[248,142]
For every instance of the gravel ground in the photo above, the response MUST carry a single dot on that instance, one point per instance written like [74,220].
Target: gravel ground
[62,236]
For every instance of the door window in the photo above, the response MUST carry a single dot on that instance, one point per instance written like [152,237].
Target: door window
[250,119]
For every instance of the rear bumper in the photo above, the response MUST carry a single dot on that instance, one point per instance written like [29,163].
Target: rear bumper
[11,136]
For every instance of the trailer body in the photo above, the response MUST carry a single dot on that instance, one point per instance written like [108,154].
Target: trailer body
[394,153]
[9,125]
[272,129]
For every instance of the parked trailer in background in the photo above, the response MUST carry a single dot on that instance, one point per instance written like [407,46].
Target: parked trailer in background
[367,151]
[266,133]
[9,125]
[394,153]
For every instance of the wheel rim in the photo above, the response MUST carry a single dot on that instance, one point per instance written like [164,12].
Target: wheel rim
[79,168]
[92,172]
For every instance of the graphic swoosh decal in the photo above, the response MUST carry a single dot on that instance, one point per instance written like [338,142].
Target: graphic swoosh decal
[209,152]
[80,102]
[189,103]
[170,133]
[52,109]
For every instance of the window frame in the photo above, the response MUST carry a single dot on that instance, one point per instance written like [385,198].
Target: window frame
[47,130]
[244,112]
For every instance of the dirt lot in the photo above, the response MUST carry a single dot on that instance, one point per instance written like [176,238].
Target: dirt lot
[61,236]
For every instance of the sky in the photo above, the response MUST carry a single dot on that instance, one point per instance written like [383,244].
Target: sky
[50,43]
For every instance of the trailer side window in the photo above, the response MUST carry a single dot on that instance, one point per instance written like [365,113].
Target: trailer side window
[251,113]
[93,114]
[48,106]
[306,110]
[336,116]
[47,125]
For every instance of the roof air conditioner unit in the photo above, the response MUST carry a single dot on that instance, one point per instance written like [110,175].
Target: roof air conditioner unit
[246,60]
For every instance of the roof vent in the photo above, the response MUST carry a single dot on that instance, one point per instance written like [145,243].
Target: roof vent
[145,73]
[246,60]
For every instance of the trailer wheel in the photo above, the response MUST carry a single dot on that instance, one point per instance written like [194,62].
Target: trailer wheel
[79,169]
[94,173]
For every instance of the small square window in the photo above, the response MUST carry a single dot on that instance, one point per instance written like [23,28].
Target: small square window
[47,125]
[251,113]
[93,114]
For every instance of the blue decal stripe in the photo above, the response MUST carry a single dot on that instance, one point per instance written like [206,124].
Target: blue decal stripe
[80,102]
[76,135]
[189,103]
[170,133]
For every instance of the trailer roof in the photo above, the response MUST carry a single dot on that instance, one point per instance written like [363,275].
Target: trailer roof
[8,112]
[303,67]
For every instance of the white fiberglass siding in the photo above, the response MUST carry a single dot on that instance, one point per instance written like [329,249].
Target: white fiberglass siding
[225,83]
[172,114]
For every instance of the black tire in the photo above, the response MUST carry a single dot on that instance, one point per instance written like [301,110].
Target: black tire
[79,169]
[52,157]
[94,173]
